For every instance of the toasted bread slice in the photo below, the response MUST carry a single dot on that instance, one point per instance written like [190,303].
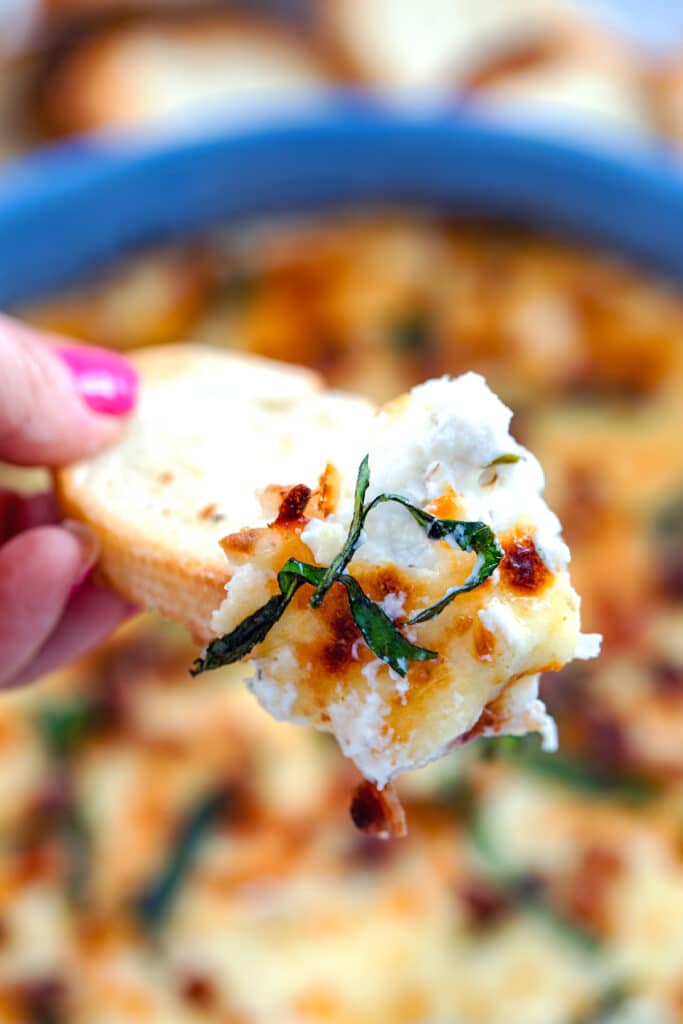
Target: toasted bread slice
[241,454]
[544,61]
[172,67]
[400,45]
[211,432]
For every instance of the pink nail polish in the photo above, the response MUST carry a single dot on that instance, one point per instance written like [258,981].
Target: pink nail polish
[105,380]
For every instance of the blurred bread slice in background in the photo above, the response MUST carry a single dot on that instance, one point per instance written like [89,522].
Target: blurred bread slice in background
[152,298]
[133,70]
[514,56]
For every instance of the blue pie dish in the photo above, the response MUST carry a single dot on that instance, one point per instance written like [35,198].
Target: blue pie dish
[68,210]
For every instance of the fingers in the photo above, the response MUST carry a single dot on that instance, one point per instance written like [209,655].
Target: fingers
[38,569]
[18,513]
[90,615]
[58,402]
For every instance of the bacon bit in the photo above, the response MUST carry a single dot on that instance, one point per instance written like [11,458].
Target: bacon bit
[43,998]
[41,861]
[672,576]
[606,741]
[378,812]
[370,852]
[585,894]
[668,679]
[293,505]
[166,477]
[522,568]
[199,991]
[484,904]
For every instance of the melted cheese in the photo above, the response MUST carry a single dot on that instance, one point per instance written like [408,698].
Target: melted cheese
[435,447]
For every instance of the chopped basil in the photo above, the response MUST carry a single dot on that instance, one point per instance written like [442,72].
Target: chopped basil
[526,752]
[475,537]
[380,633]
[155,901]
[525,891]
[382,636]
[232,647]
[353,537]
[78,842]
[669,520]
[608,1003]
[411,334]
[66,725]
[377,629]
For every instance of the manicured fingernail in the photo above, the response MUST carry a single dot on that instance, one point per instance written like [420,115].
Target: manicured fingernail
[105,380]
[90,548]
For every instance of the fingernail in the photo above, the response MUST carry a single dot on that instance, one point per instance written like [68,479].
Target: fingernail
[90,548]
[105,380]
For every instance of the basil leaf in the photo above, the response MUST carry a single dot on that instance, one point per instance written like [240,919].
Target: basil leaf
[526,891]
[412,334]
[154,902]
[78,843]
[608,1003]
[470,537]
[232,647]
[346,554]
[293,573]
[66,725]
[380,634]
[525,752]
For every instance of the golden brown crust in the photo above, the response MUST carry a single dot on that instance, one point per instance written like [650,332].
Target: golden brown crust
[146,574]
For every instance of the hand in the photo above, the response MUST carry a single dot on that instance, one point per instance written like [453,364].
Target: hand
[58,403]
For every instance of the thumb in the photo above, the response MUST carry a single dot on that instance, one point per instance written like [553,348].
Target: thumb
[58,401]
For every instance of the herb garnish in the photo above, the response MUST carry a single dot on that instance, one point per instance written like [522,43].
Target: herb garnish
[154,902]
[412,333]
[608,1003]
[526,891]
[526,753]
[381,635]
[66,725]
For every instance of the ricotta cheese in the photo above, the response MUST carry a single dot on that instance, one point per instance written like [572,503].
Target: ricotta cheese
[446,447]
